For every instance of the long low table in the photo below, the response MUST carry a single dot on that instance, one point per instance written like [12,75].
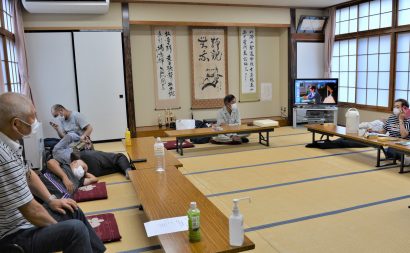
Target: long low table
[143,148]
[168,194]
[181,135]
[340,131]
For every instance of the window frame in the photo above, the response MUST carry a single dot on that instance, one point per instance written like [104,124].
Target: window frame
[4,35]
[393,31]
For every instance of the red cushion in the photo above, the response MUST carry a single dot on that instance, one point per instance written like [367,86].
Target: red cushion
[173,145]
[105,227]
[91,192]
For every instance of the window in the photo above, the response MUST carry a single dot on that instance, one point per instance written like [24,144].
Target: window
[404,12]
[8,54]
[365,16]
[344,68]
[378,54]
[402,66]
[373,71]
[346,20]
[375,15]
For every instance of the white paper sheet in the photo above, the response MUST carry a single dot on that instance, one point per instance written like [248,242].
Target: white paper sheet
[182,124]
[166,226]
[266,91]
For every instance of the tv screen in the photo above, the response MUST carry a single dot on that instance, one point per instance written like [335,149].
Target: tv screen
[316,91]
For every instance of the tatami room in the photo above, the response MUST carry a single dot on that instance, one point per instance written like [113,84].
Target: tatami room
[286,122]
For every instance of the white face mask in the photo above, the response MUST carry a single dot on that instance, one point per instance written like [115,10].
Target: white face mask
[396,111]
[34,127]
[60,117]
[234,106]
[79,172]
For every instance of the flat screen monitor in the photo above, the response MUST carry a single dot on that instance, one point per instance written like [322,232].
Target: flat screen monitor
[316,91]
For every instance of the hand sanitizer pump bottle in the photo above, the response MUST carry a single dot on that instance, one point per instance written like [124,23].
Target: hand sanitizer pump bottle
[236,231]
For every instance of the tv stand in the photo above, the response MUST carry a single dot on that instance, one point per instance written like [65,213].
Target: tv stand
[312,115]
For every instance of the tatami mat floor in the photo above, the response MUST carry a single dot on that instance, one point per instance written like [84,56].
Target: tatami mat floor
[303,200]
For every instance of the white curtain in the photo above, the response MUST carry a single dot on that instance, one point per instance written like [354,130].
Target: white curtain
[20,43]
[2,86]
[329,40]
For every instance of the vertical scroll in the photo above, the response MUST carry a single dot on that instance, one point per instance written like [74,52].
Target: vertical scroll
[249,88]
[209,58]
[166,90]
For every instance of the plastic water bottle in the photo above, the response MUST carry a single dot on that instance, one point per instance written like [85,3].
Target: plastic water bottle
[194,223]
[159,152]
[128,137]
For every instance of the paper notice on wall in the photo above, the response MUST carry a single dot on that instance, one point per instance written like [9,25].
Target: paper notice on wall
[266,91]
[166,226]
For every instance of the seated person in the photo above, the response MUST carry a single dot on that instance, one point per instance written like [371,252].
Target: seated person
[229,115]
[397,126]
[314,96]
[58,224]
[70,122]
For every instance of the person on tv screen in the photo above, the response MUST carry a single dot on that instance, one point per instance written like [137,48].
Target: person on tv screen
[331,94]
[313,95]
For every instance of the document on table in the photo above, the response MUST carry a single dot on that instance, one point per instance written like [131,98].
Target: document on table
[166,226]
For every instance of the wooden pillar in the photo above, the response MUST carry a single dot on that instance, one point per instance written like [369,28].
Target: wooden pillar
[129,86]
[291,64]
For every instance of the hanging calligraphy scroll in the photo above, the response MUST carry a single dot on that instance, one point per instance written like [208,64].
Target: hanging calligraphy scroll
[166,93]
[210,75]
[249,89]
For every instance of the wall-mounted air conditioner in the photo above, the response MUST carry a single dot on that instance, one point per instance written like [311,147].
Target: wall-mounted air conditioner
[67,7]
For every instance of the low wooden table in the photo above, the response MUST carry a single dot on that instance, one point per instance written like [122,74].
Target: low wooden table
[168,194]
[340,131]
[143,148]
[403,150]
[181,135]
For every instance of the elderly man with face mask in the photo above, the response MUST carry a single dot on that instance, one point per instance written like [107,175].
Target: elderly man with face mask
[229,115]
[397,125]
[70,122]
[58,225]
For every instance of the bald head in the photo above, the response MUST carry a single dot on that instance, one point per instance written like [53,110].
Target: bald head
[14,105]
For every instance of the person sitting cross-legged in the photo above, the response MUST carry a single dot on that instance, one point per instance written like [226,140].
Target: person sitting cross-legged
[229,115]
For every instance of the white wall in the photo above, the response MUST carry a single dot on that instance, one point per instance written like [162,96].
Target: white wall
[271,63]
[272,51]
[208,13]
[310,62]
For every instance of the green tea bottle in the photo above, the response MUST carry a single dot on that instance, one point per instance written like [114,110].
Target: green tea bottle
[193,223]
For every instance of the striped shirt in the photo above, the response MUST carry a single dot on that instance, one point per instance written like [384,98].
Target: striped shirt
[393,128]
[14,190]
